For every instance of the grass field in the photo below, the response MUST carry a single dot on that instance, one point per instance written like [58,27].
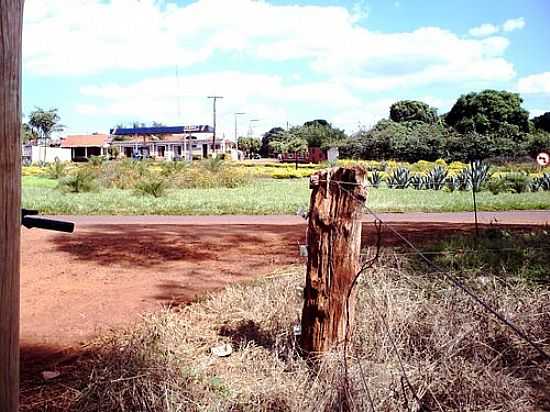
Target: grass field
[264,196]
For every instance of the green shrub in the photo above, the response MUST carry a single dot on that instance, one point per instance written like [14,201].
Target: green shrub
[154,186]
[213,164]
[122,174]
[82,180]
[519,182]
[96,161]
[173,167]
[56,170]
[201,178]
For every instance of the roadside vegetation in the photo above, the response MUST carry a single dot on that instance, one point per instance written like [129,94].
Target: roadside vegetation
[127,187]
[418,344]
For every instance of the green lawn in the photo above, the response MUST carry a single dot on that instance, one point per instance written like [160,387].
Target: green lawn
[264,196]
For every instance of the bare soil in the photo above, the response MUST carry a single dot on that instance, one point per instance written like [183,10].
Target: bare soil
[74,286]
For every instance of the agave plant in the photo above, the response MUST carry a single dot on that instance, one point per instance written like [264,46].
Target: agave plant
[463,180]
[545,182]
[400,179]
[375,178]
[436,178]
[536,184]
[479,173]
[452,183]
[417,182]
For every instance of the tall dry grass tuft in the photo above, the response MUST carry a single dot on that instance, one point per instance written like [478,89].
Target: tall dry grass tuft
[451,356]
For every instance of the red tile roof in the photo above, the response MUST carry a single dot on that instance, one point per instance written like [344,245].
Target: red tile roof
[85,140]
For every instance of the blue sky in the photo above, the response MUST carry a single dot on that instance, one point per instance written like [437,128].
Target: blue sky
[106,62]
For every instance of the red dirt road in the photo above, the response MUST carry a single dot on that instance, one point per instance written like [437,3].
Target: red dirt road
[106,275]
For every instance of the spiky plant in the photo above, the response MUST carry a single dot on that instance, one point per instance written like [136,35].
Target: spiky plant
[479,173]
[96,161]
[375,178]
[452,183]
[463,180]
[153,186]
[436,178]
[56,170]
[417,182]
[83,180]
[545,182]
[536,184]
[213,164]
[400,178]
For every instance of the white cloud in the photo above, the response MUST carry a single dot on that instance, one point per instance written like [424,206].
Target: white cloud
[488,29]
[535,83]
[262,96]
[513,24]
[92,36]
[483,30]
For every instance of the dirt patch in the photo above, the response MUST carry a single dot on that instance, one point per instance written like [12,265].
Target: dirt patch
[102,276]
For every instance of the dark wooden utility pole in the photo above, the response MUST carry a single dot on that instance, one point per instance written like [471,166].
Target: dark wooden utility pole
[334,249]
[11,23]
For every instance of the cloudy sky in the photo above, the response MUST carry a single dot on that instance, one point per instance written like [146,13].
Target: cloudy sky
[103,62]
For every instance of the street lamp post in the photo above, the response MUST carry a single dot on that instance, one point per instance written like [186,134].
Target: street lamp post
[236,128]
[250,127]
[215,99]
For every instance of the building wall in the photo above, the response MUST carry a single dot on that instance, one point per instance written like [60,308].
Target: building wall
[35,154]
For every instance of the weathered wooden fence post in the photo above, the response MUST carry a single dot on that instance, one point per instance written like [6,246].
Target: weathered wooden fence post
[334,249]
[11,22]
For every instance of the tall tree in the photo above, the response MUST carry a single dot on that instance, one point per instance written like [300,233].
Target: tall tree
[320,133]
[11,24]
[266,149]
[489,111]
[289,142]
[44,123]
[249,145]
[542,122]
[413,110]
[27,133]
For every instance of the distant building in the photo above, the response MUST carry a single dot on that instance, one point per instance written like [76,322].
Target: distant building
[168,142]
[313,155]
[33,152]
[82,147]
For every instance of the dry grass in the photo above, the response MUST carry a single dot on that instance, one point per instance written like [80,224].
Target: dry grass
[455,357]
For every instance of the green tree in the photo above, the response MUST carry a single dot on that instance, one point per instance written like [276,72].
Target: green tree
[266,150]
[542,122]
[27,133]
[413,110]
[487,112]
[289,142]
[320,133]
[43,123]
[249,145]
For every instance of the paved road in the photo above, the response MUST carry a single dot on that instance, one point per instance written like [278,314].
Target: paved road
[527,217]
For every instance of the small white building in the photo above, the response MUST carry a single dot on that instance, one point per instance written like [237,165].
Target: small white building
[34,153]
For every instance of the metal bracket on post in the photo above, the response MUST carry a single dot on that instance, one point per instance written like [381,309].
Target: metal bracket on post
[29,222]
